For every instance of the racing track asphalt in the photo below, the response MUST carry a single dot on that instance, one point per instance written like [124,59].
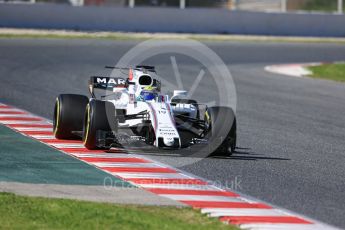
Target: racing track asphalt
[291,130]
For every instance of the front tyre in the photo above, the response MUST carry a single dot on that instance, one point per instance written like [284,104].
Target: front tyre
[221,130]
[99,116]
[69,115]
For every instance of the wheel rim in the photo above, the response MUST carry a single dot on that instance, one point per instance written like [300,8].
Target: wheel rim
[87,124]
[56,116]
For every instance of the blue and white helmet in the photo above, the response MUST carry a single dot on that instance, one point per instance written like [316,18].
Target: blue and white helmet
[149,93]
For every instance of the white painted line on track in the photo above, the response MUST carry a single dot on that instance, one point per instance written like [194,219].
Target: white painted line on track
[243,212]
[286,226]
[72,146]
[12,122]
[17,115]
[99,155]
[180,186]
[126,165]
[202,198]
[43,137]
[32,129]
[214,210]
[152,175]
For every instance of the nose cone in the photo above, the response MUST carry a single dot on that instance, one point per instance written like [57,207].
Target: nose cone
[168,141]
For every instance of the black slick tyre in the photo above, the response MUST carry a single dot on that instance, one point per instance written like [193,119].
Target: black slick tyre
[99,116]
[69,115]
[221,133]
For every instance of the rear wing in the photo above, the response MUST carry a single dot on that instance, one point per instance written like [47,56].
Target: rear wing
[106,83]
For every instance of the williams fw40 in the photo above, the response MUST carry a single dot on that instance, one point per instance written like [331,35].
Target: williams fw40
[135,105]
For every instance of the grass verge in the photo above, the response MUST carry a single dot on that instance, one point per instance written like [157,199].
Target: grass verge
[20,212]
[335,72]
[62,34]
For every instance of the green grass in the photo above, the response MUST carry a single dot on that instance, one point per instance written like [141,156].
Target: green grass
[335,72]
[20,212]
[321,5]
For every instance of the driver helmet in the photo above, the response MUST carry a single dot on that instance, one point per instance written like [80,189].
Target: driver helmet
[148,93]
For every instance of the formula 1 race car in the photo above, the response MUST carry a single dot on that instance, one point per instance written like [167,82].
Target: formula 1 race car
[135,104]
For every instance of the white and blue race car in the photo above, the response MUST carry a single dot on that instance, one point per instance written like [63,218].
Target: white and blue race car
[136,104]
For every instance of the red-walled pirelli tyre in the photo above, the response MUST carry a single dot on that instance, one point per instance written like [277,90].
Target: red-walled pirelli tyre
[69,115]
[221,122]
[99,115]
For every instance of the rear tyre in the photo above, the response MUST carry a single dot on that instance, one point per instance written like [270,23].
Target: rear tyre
[99,116]
[221,123]
[69,115]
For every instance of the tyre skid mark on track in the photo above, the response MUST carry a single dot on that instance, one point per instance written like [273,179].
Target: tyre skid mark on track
[162,180]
